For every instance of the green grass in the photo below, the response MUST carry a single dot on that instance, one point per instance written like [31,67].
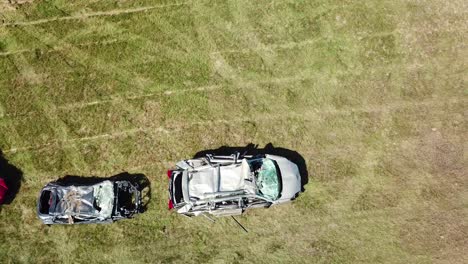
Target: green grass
[371,93]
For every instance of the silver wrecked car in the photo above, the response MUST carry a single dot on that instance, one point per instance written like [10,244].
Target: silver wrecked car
[229,185]
[105,201]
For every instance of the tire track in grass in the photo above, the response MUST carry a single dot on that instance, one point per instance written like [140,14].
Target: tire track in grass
[79,56]
[213,54]
[15,137]
[82,58]
[84,16]
[218,63]
[291,44]
[309,156]
[257,46]
[249,35]
[25,70]
[61,48]
[241,85]
[122,97]
[103,14]
[98,64]
[141,39]
[59,128]
[270,47]
[117,99]
[309,115]
[103,66]
[128,35]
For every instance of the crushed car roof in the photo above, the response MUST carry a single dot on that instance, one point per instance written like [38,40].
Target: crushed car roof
[85,201]
[207,180]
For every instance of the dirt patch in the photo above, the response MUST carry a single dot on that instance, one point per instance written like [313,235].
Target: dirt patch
[376,198]
[445,154]
[5,6]
[150,114]
[441,235]
[436,153]
[12,5]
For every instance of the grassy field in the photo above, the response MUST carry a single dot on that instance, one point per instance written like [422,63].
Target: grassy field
[373,95]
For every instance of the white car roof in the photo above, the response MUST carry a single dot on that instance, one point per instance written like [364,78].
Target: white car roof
[206,180]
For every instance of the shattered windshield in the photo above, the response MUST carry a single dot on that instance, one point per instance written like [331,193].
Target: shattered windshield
[266,178]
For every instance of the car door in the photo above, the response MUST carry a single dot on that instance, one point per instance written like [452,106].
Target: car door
[228,208]
[257,203]
[60,220]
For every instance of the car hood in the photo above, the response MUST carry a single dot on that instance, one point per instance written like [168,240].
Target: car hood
[290,177]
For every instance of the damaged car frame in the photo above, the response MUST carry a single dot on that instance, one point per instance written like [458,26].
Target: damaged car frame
[104,201]
[229,185]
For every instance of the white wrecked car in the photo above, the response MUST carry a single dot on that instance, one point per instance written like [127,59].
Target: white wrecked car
[229,185]
[103,202]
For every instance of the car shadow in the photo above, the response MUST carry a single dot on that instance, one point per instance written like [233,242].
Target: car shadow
[12,177]
[252,149]
[137,179]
